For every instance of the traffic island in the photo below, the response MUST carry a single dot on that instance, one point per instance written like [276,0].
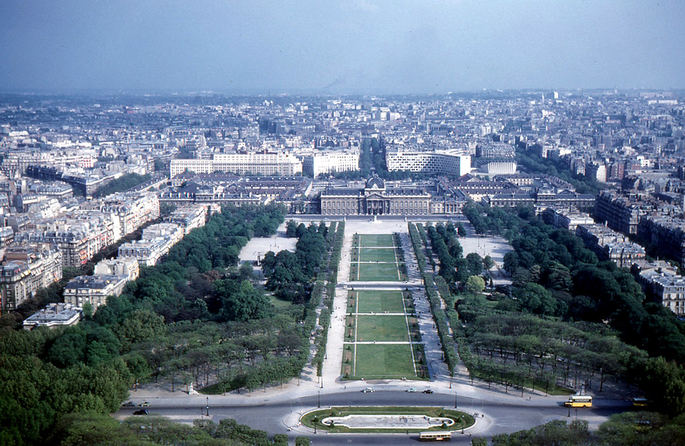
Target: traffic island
[376,419]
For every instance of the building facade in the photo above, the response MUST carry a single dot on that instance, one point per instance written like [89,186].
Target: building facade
[618,212]
[439,162]
[93,290]
[26,269]
[54,315]
[330,161]
[667,288]
[280,164]
[665,234]
[375,199]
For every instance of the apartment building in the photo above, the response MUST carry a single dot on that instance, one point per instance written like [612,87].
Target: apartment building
[439,162]
[133,209]
[54,315]
[93,290]
[330,161]
[618,212]
[666,287]
[25,269]
[566,218]
[252,163]
[125,267]
[611,245]
[665,234]
[188,217]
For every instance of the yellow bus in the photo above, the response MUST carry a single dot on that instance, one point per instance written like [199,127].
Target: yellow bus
[640,402]
[579,401]
[435,436]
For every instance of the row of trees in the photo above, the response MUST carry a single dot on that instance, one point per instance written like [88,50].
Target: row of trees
[439,316]
[555,275]
[558,168]
[121,184]
[633,428]
[454,268]
[47,374]
[291,275]
[93,428]
[336,231]
[528,346]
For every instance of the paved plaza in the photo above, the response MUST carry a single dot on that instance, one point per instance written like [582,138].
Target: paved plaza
[494,246]
[256,247]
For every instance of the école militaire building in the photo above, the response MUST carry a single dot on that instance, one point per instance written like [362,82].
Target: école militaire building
[375,199]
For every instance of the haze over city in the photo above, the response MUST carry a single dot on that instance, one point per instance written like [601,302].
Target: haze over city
[359,46]
[342,222]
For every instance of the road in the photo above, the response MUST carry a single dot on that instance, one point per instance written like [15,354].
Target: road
[276,414]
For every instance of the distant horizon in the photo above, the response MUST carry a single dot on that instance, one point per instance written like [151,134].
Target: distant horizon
[305,93]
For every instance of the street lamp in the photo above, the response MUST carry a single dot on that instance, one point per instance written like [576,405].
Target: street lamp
[455,399]
[318,399]
[207,406]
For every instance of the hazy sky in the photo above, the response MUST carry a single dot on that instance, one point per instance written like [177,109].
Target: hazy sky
[361,46]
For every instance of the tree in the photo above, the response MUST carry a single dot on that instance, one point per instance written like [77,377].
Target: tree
[291,229]
[246,272]
[511,261]
[475,284]
[474,263]
[91,428]
[536,299]
[139,326]
[68,349]
[244,304]
[87,310]
[663,383]
[488,263]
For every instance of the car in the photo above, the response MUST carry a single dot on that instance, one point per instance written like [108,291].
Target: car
[128,404]
[411,389]
[141,412]
[368,390]
[428,391]
[145,404]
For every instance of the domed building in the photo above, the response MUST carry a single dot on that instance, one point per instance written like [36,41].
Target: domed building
[376,199]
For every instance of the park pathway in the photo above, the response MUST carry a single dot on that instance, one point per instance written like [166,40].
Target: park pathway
[332,364]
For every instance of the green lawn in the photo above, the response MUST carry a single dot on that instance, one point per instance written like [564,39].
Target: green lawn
[377,255]
[379,301]
[384,361]
[382,328]
[378,272]
[375,240]
[280,304]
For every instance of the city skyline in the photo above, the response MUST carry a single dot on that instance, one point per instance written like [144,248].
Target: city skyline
[360,47]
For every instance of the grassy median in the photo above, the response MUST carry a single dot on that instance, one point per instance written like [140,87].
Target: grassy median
[313,419]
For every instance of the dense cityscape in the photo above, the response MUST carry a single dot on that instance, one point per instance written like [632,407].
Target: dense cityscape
[138,241]
[362,222]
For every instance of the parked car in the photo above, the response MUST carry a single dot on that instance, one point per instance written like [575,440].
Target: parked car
[145,404]
[128,404]
[411,389]
[141,412]
[368,390]
[428,391]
